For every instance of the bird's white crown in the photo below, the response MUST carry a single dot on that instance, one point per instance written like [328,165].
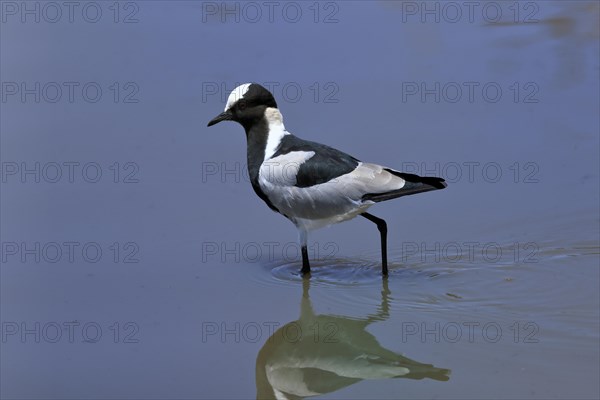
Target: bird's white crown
[236,94]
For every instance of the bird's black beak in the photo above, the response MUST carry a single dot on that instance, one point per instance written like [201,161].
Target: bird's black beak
[224,116]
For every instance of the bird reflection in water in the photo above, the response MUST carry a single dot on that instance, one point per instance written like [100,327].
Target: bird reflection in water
[320,354]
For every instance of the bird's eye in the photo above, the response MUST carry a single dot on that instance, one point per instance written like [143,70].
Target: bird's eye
[242,104]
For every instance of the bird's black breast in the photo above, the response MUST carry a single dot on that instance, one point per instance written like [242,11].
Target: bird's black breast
[327,163]
[256,136]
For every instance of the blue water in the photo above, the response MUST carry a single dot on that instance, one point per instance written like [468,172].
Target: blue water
[138,263]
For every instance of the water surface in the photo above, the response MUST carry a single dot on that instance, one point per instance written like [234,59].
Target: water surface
[493,285]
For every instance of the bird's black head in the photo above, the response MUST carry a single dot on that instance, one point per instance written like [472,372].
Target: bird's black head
[246,105]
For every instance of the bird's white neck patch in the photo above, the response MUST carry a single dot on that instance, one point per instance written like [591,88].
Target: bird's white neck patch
[276,131]
[236,94]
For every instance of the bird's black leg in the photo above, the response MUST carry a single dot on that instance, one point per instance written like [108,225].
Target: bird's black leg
[382,227]
[305,264]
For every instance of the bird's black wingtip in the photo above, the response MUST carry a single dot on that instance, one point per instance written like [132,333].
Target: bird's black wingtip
[438,183]
[434,181]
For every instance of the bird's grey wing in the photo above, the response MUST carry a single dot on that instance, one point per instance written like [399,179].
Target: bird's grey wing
[324,172]
[325,164]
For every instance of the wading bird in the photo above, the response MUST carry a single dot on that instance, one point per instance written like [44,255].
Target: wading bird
[311,184]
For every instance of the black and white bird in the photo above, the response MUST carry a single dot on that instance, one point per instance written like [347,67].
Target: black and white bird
[311,184]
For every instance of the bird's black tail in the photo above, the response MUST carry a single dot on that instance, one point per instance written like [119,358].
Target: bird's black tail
[414,184]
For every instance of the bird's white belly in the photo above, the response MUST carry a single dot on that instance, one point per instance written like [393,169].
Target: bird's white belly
[316,206]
